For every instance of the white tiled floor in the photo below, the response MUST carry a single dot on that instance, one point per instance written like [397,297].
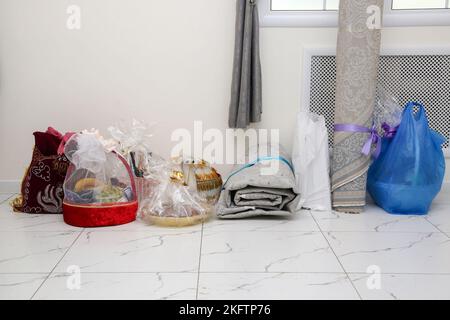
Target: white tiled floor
[313,255]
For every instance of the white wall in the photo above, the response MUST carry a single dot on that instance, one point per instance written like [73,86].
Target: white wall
[163,61]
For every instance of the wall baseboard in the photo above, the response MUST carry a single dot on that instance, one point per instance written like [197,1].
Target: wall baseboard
[9,186]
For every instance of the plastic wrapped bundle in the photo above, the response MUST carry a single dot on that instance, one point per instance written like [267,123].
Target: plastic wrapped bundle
[170,193]
[99,187]
[146,180]
[387,114]
[173,203]
[198,175]
[133,141]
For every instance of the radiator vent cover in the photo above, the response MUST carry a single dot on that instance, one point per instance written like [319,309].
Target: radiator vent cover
[422,78]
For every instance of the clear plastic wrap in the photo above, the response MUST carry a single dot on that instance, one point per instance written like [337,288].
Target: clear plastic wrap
[173,203]
[170,193]
[388,112]
[97,175]
[134,144]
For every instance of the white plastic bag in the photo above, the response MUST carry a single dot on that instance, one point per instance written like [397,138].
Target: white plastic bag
[310,157]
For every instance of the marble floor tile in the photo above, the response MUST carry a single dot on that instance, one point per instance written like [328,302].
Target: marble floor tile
[33,251]
[444,195]
[18,221]
[261,258]
[19,286]
[439,216]
[392,252]
[5,197]
[142,225]
[289,286]
[300,221]
[134,251]
[403,286]
[372,219]
[113,286]
[259,251]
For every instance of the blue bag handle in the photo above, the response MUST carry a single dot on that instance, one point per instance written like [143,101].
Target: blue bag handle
[410,109]
[438,138]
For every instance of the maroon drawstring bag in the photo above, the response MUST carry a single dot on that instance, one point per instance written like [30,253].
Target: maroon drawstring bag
[42,185]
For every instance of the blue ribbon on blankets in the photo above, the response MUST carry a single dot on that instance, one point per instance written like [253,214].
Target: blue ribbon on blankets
[251,164]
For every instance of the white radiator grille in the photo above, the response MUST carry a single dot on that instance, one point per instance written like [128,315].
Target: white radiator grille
[423,78]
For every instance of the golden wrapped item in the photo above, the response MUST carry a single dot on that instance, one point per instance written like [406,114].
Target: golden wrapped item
[204,178]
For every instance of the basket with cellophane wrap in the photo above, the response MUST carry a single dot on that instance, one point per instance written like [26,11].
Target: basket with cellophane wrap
[99,189]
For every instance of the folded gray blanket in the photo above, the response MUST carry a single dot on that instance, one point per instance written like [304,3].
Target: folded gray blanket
[248,192]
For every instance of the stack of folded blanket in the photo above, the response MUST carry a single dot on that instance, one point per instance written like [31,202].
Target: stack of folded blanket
[251,191]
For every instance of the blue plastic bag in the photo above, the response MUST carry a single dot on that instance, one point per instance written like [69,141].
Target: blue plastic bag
[409,172]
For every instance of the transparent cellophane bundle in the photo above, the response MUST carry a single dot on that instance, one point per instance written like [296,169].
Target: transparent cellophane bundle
[387,110]
[172,203]
[133,142]
[97,176]
[164,197]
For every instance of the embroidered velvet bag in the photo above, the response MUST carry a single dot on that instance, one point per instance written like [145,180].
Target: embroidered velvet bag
[42,185]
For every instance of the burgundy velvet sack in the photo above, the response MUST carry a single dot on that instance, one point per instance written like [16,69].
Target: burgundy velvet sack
[42,185]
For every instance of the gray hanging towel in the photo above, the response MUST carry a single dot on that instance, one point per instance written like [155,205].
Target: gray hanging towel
[358,50]
[246,95]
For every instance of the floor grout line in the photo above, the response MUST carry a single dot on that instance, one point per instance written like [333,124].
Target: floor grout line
[57,263]
[445,234]
[339,261]
[199,261]
[10,196]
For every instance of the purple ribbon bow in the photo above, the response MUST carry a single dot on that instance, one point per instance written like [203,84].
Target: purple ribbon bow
[373,139]
[389,132]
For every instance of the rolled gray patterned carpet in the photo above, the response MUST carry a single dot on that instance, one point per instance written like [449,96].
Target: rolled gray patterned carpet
[357,59]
